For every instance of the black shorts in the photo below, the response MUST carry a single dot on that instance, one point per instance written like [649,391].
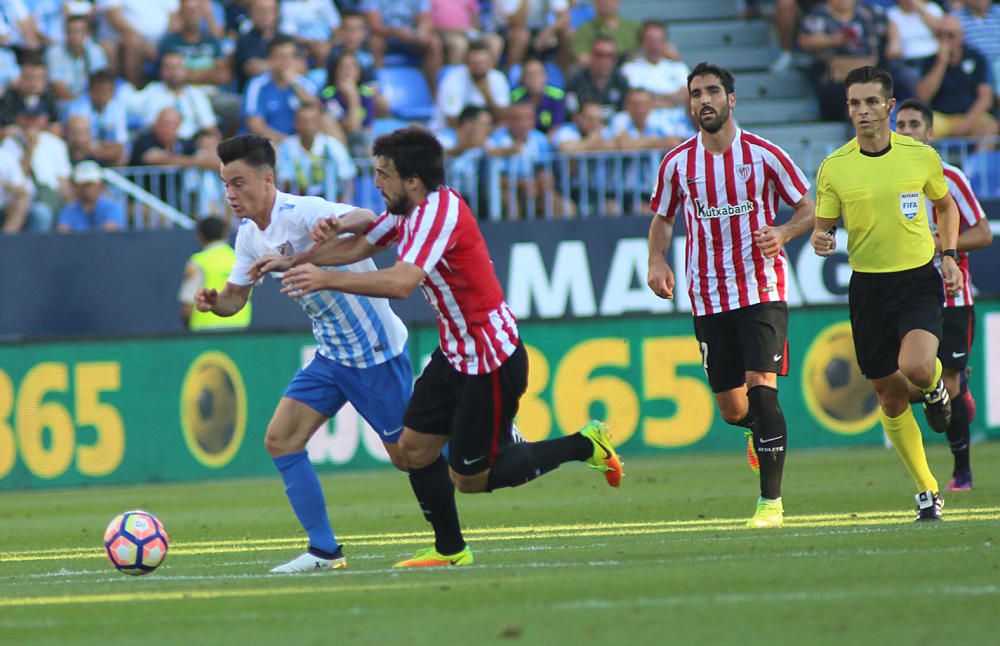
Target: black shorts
[748,338]
[958,333]
[476,412]
[885,307]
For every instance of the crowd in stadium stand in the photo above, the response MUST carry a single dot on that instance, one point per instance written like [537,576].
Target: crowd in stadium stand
[141,83]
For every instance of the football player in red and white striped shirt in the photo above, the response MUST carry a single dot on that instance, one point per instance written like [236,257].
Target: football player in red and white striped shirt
[469,392]
[915,119]
[726,182]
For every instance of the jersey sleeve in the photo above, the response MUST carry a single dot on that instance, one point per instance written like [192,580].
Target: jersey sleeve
[382,232]
[319,209]
[432,230]
[968,206]
[936,186]
[244,257]
[666,197]
[827,200]
[788,178]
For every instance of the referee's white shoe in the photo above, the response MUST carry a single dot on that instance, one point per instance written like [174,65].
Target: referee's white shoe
[309,562]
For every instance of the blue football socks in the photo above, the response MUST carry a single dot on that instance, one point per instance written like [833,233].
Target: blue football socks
[304,492]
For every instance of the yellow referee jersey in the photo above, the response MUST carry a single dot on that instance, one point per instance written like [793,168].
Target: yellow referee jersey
[881,200]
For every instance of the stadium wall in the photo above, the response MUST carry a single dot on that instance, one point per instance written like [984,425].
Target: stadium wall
[125,284]
[175,408]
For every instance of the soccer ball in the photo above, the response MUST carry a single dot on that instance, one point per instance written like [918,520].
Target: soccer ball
[135,542]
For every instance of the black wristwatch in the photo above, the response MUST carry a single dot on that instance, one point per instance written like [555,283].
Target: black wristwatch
[950,252]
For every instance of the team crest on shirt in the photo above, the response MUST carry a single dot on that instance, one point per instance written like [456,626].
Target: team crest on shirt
[285,248]
[909,204]
[743,171]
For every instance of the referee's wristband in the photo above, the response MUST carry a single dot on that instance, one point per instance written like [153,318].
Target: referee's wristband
[953,253]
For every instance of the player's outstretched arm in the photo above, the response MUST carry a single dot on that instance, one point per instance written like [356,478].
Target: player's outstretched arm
[660,277]
[770,239]
[229,301]
[356,221]
[397,281]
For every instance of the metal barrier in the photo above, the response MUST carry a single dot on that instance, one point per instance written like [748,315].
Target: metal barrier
[518,187]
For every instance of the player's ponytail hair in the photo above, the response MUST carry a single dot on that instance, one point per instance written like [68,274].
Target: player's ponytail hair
[415,152]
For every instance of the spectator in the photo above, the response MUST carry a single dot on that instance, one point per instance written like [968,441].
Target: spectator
[599,81]
[271,99]
[22,31]
[79,139]
[787,14]
[201,52]
[663,78]
[475,83]
[50,19]
[607,24]
[466,163]
[9,69]
[31,89]
[106,114]
[43,157]
[351,38]
[311,162]
[15,195]
[253,46]
[91,210]
[590,177]
[531,32]
[71,63]
[210,268]
[174,91]
[131,31]
[981,26]
[634,130]
[840,35]
[549,101]
[162,145]
[350,103]
[312,23]
[526,183]
[956,86]
[404,27]
[457,23]
[916,22]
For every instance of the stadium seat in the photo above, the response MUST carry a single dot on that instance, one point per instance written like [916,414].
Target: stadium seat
[406,91]
[387,124]
[580,15]
[395,59]
[983,169]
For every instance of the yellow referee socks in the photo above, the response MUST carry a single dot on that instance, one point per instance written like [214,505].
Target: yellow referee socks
[904,434]
[938,369]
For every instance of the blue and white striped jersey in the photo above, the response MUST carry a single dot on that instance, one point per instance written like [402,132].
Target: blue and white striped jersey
[356,331]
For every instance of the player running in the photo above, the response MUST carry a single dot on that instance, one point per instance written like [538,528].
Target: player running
[915,119]
[361,354]
[469,393]
[727,183]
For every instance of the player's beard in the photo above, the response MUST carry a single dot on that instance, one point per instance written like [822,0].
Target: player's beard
[398,204]
[714,125]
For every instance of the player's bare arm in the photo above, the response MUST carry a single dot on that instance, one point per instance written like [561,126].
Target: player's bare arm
[229,301]
[660,277]
[948,219]
[332,253]
[356,221]
[397,281]
[979,236]
[771,239]
[823,240]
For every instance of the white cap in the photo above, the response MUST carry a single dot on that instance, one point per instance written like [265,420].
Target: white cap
[86,172]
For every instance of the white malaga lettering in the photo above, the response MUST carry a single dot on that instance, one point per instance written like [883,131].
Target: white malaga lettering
[569,289]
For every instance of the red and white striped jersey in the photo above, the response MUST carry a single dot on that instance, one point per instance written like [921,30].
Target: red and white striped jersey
[478,330]
[725,199]
[971,213]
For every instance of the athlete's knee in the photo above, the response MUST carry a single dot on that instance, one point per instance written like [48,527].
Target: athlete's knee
[412,453]
[397,459]
[475,483]
[920,373]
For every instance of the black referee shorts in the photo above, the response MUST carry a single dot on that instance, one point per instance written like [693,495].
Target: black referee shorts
[958,333]
[885,307]
[476,412]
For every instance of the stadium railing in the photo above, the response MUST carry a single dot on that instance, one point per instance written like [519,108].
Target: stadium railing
[550,186]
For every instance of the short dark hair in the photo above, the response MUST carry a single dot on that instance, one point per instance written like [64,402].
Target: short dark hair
[470,113]
[280,40]
[101,76]
[415,152]
[350,13]
[921,107]
[33,58]
[212,228]
[651,24]
[78,17]
[255,150]
[478,46]
[870,74]
[705,68]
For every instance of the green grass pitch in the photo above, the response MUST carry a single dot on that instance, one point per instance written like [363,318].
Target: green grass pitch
[565,560]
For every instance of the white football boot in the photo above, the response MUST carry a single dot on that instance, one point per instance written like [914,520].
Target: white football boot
[310,563]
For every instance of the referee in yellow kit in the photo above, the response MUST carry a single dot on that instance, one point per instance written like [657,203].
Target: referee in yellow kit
[877,183]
